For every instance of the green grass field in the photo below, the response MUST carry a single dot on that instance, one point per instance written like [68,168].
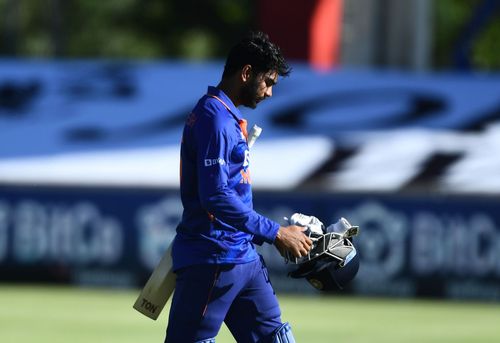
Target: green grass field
[63,314]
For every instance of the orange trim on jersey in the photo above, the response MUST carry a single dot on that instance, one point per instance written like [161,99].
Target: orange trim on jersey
[243,126]
[225,105]
[245,176]
[242,122]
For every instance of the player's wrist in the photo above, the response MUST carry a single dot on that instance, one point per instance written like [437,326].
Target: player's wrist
[279,233]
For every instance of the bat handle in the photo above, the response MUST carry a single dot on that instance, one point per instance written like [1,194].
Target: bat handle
[253,135]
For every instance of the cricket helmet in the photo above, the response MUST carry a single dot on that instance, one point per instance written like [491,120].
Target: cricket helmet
[327,275]
[332,261]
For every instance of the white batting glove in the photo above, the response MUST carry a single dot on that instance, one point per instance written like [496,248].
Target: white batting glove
[313,224]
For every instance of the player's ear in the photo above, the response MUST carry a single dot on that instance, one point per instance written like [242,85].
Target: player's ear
[246,72]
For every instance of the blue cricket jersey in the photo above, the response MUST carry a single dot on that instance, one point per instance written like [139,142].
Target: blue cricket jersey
[218,224]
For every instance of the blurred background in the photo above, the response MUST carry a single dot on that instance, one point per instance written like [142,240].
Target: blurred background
[390,118]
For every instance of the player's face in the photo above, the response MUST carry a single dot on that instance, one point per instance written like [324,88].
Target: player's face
[258,88]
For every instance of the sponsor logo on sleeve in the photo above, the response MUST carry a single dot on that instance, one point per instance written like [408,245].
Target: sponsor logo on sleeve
[214,161]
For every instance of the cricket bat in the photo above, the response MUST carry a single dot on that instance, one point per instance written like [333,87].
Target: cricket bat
[161,283]
[158,288]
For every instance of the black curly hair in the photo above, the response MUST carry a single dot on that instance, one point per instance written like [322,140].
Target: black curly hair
[258,51]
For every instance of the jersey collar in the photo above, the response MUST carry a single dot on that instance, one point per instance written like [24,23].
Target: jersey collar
[222,97]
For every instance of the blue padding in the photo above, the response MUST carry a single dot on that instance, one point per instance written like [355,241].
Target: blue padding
[283,334]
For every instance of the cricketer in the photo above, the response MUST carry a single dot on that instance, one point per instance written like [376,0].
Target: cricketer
[220,276]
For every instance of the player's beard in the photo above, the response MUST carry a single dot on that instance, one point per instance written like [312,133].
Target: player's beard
[248,95]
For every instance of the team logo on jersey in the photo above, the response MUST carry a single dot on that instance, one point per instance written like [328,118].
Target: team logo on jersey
[245,172]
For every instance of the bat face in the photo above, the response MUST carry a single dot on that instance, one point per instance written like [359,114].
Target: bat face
[158,288]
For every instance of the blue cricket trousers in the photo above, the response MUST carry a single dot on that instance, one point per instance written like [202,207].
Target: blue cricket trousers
[240,295]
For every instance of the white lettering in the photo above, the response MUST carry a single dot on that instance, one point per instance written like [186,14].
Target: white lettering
[427,255]
[247,159]
[444,245]
[60,236]
[111,237]
[482,247]
[72,235]
[454,245]
[85,239]
[30,232]
[156,224]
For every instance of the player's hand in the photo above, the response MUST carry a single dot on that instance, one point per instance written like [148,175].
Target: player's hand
[291,238]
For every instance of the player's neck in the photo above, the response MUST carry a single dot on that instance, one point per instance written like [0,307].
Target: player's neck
[230,89]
